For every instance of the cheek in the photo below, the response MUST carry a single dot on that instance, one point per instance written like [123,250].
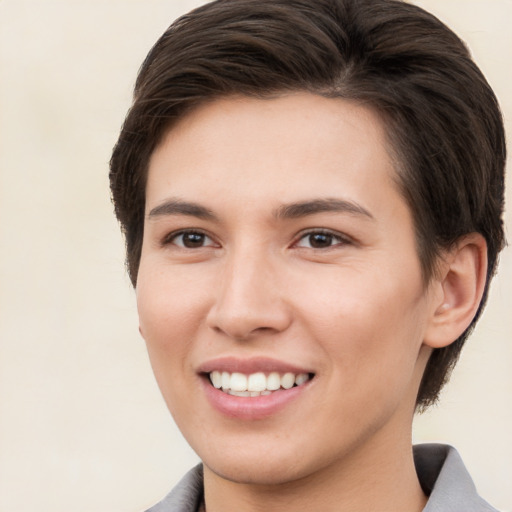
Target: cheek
[168,322]
[367,324]
[168,318]
[168,303]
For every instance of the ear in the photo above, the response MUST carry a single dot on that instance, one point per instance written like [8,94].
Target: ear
[458,289]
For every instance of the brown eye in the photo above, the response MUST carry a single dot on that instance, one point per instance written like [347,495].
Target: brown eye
[192,240]
[320,240]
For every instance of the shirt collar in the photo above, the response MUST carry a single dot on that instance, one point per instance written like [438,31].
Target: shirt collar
[446,481]
[441,472]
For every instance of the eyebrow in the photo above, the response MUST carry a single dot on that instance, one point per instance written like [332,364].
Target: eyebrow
[176,206]
[311,207]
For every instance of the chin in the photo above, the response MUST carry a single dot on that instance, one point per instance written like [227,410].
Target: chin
[274,464]
[256,472]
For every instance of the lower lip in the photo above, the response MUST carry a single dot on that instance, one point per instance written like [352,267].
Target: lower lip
[251,408]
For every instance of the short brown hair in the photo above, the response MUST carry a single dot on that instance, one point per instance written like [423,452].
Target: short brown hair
[444,123]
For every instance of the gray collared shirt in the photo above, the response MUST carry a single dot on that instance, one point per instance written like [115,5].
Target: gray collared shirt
[440,469]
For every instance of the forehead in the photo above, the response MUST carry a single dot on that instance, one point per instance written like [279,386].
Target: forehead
[284,144]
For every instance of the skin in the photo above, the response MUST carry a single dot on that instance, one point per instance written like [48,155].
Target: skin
[354,310]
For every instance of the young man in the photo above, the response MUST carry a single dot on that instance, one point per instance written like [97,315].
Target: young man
[311,194]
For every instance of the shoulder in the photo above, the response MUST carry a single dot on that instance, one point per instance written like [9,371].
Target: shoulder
[186,496]
[440,469]
[446,481]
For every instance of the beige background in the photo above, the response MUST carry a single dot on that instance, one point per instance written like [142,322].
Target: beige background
[82,424]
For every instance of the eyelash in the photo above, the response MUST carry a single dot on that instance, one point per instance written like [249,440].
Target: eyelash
[334,236]
[330,236]
[172,237]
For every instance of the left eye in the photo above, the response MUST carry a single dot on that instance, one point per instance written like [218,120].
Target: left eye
[192,240]
[320,240]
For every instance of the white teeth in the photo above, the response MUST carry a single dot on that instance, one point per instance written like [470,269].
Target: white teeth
[255,384]
[238,382]
[239,393]
[301,378]
[288,380]
[273,381]
[216,378]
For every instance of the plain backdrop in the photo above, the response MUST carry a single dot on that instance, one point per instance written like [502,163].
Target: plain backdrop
[82,425]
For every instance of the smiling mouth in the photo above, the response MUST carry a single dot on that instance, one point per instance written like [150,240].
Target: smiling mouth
[256,384]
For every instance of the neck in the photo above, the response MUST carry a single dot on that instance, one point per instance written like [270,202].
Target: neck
[369,480]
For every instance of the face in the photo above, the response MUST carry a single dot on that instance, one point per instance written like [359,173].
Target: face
[280,291]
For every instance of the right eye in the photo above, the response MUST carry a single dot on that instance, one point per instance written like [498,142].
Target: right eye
[191,240]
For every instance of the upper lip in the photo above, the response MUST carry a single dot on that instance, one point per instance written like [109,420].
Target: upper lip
[250,365]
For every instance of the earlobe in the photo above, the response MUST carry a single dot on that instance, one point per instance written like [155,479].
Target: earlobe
[460,285]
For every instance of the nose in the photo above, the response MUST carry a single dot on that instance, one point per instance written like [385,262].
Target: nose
[250,298]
